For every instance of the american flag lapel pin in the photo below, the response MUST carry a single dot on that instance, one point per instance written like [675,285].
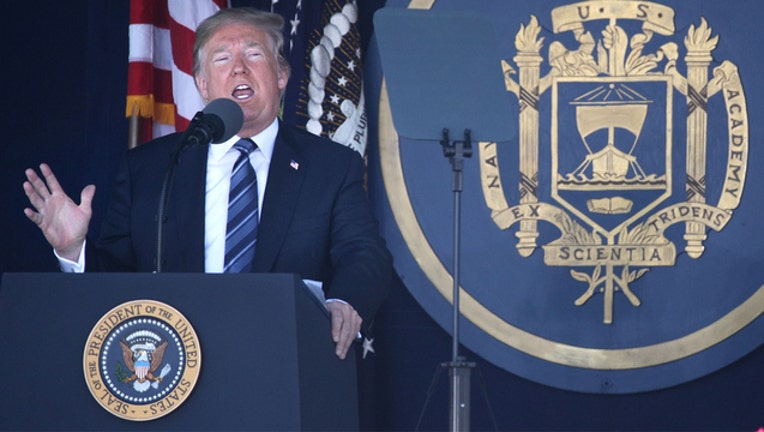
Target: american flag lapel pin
[295,166]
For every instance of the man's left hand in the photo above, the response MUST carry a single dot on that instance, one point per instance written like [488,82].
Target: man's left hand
[346,325]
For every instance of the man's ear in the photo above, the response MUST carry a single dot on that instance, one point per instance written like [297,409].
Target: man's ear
[283,75]
[201,84]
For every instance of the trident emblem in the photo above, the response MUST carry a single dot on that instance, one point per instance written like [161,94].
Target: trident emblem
[612,144]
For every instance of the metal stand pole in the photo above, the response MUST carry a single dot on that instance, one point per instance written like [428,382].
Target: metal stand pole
[459,368]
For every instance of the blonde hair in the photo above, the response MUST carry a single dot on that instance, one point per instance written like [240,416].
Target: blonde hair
[272,24]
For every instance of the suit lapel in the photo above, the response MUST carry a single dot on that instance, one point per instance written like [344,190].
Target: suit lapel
[187,200]
[285,178]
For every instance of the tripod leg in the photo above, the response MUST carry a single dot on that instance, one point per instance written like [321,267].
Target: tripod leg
[430,391]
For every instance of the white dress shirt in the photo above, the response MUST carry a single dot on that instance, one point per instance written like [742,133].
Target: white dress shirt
[220,161]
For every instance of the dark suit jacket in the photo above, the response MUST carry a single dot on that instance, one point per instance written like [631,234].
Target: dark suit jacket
[316,220]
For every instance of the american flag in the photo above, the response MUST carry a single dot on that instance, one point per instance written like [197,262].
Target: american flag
[160,86]
[323,46]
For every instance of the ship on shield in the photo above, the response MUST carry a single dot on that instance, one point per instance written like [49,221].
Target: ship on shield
[611,144]
[601,176]
[602,114]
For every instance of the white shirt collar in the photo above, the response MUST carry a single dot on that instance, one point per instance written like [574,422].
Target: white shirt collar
[265,141]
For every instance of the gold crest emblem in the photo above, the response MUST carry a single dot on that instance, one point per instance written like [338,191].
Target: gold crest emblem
[612,147]
[632,153]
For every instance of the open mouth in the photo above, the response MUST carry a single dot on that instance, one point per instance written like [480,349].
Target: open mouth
[242,91]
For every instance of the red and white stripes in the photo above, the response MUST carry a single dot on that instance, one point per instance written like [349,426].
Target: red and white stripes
[160,86]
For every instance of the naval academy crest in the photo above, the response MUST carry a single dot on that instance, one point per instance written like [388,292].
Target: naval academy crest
[612,147]
[610,256]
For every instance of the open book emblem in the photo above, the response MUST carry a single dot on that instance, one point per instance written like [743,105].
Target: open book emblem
[602,143]
[614,155]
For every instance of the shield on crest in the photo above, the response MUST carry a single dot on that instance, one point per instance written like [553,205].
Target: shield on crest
[611,148]
[595,260]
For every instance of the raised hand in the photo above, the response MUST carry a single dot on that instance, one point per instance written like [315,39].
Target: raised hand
[63,223]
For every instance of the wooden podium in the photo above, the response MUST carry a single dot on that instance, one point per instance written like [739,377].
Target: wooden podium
[268,360]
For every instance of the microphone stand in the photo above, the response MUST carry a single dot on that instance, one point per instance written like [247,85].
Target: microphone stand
[220,120]
[187,139]
[459,369]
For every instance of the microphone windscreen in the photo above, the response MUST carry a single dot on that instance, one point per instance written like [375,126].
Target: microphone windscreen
[224,117]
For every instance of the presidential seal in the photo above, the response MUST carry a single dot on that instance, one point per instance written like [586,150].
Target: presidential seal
[142,360]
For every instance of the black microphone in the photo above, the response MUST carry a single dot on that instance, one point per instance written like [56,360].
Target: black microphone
[216,123]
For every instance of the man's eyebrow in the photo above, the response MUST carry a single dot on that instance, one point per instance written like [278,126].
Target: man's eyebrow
[252,43]
[247,44]
[220,49]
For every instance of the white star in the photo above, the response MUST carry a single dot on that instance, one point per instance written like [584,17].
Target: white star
[330,116]
[367,347]
[351,65]
[342,81]
[295,23]
[335,99]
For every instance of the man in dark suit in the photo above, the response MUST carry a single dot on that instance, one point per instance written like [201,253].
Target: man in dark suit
[314,217]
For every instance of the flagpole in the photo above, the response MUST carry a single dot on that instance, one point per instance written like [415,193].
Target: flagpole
[134,128]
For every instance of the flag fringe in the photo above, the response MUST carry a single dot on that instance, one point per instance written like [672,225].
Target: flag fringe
[145,106]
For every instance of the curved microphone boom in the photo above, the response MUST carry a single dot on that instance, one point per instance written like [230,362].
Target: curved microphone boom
[216,123]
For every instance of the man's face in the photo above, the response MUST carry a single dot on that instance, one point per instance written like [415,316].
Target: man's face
[238,63]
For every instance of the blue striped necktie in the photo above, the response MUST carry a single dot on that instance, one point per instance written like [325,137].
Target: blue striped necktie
[241,230]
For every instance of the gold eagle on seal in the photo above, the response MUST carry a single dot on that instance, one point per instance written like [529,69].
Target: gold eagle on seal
[143,360]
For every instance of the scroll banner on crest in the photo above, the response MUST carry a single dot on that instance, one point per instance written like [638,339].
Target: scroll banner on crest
[610,246]
[655,17]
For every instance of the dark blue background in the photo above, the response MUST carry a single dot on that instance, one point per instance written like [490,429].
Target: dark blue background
[525,292]
[64,99]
